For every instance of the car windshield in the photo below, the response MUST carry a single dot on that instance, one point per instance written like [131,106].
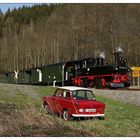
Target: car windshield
[83,95]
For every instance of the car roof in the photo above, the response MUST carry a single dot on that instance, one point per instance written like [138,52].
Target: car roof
[73,88]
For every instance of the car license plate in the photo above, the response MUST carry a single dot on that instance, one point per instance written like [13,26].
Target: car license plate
[90,110]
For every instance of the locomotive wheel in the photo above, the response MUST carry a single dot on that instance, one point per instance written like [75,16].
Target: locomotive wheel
[98,84]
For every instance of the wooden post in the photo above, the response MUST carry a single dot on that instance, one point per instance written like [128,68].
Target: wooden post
[133,81]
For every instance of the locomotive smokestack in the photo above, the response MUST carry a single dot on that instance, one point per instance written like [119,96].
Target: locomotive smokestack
[100,59]
[118,55]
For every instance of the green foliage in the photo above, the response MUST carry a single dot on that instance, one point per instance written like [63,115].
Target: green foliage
[1,23]
[35,13]
[1,26]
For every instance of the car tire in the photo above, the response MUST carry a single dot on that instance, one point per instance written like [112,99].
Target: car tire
[66,115]
[101,118]
[46,109]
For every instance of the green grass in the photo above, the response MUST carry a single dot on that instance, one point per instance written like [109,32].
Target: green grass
[120,120]
[43,91]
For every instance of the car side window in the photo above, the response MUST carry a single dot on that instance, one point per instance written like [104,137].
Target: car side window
[89,95]
[74,94]
[66,94]
[81,95]
[59,93]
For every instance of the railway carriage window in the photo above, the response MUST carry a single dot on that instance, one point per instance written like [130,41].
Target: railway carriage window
[78,66]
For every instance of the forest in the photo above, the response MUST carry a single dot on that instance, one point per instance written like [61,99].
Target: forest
[53,33]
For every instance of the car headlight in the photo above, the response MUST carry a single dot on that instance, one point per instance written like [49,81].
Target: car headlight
[81,110]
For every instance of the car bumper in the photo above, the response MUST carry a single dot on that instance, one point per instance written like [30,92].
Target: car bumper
[88,115]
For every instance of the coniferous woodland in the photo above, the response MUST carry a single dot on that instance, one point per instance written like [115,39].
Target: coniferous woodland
[47,34]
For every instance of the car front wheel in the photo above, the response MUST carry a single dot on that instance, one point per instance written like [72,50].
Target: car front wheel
[66,115]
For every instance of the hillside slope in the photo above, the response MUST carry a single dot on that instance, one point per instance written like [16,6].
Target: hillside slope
[68,32]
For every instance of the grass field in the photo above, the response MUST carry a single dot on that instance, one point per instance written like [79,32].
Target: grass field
[21,114]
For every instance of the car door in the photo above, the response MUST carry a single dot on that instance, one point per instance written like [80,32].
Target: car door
[65,102]
[56,99]
[59,101]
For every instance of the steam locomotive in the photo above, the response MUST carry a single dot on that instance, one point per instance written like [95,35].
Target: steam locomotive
[92,72]
[87,72]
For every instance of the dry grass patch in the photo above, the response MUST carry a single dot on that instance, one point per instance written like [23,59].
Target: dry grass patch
[31,122]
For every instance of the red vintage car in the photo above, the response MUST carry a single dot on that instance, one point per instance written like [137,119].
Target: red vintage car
[71,102]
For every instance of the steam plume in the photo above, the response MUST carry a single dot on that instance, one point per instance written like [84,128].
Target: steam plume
[102,54]
[119,49]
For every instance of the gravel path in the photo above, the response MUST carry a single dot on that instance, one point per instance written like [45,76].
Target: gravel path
[126,96]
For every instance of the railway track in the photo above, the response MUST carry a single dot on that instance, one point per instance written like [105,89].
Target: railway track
[131,89]
[125,89]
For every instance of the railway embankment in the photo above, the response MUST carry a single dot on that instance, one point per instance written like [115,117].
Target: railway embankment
[128,96]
